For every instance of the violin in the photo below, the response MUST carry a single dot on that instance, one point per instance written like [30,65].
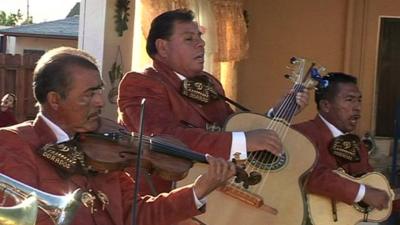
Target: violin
[111,147]
[112,151]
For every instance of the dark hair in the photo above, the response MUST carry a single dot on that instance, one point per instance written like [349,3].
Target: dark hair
[53,69]
[331,89]
[162,27]
[11,95]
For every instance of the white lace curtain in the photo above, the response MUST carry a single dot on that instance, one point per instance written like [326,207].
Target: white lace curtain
[231,29]
[153,8]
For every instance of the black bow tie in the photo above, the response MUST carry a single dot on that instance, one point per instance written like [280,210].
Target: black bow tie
[199,88]
[346,147]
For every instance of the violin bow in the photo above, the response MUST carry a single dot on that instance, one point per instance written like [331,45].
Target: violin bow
[138,162]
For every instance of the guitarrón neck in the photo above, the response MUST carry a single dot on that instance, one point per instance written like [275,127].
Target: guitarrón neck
[289,106]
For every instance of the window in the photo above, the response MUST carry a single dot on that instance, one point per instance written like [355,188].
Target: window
[388,76]
[3,44]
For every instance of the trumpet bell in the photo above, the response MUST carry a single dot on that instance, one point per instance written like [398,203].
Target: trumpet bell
[24,213]
[61,209]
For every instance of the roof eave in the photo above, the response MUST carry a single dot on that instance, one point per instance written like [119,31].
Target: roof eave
[40,35]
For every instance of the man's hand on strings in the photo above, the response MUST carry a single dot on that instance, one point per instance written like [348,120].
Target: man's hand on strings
[302,98]
[376,198]
[263,139]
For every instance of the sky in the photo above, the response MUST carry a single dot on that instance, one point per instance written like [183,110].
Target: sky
[40,10]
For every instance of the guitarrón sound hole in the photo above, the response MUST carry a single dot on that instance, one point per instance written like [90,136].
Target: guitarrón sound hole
[267,161]
[362,207]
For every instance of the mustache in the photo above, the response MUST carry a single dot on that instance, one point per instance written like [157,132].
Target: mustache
[94,114]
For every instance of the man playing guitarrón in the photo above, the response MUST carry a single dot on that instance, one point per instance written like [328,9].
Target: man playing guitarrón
[339,109]
[174,108]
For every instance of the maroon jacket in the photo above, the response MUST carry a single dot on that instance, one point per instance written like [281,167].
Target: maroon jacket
[19,160]
[7,118]
[322,180]
[170,113]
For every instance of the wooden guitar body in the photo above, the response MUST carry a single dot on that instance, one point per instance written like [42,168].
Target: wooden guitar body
[320,208]
[280,191]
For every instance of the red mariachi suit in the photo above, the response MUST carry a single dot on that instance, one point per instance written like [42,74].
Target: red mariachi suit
[19,161]
[7,118]
[168,112]
[322,181]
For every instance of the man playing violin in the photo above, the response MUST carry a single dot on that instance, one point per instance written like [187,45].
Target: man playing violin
[177,92]
[68,90]
[339,109]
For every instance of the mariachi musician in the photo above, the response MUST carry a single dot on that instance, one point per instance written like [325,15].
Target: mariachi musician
[182,99]
[68,89]
[339,109]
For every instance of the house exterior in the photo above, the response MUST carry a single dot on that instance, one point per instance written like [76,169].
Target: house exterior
[40,37]
[21,47]
[345,35]
[6,42]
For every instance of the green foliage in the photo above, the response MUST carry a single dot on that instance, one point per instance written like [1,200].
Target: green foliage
[11,19]
[28,20]
[115,73]
[121,16]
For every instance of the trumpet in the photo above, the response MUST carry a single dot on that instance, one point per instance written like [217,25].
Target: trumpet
[60,209]
[24,213]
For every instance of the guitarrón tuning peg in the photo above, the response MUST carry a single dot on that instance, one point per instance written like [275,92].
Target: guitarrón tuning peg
[293,60]
[290,77]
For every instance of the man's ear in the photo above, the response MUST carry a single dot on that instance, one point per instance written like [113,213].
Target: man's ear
[53,100]
[324,105]
[162,48]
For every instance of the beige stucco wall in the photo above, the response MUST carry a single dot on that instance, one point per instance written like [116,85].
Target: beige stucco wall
[339,34]
[281,29]
[110,55]
[97,36]
[372,11]
[41,44]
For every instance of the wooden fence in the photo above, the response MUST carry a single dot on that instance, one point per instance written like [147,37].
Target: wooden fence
[16,77]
